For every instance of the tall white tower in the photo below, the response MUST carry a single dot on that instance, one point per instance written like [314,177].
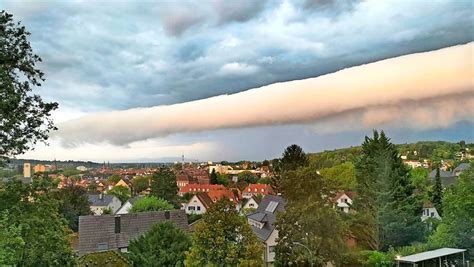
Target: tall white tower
[27,170]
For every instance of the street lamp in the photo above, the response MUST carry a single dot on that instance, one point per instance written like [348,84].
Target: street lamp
[309,250]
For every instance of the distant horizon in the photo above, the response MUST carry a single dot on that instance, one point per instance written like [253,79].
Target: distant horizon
[178,158]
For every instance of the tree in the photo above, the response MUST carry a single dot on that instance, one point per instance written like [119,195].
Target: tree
[247,177]
[24,117]
[457,227]
[150,203]
[73,203]
[163,245]
[388,211]
[293,157]
[223,238]
[343,175]
[32,231]
[419,180]
[114,178]
[213,176]
[309,220]
[437,193]
[163,185]
[140,183]
[121,192]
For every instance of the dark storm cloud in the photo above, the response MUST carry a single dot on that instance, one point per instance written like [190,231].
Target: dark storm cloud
[146,54]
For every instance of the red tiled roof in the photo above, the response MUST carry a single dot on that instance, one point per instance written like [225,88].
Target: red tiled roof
[350,194]
[217,195]
[263,189]
[195,188]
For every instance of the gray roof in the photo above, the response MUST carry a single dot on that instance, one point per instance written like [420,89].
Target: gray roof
[134,199]
[97,233]
[433,254]
[266,217]
[96,200]
[442,173]
[462,167]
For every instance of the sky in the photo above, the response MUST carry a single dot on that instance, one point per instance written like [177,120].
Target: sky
[141,81]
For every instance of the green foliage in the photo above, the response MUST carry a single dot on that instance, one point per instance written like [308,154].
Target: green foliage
[343,175]
[223,179]
[193,218]
[187,196]
[163,245]
[140,183]
[213,179]
[32,231]
[247,177]
[70,172]
[223,238]
[388,211]
[73,203]
[293,157]
[377,259]
[150,203]
[309,219]
[107,211]
[457,227]
[121,192]
[163,185]
[114,178]
[419,180]
[103,259]
[264,180]
[24,116]
[437,193]
[328,159]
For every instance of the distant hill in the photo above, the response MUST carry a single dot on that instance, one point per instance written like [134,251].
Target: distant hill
[434,150]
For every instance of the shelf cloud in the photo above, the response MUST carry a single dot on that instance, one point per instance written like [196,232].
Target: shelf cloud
[431,89]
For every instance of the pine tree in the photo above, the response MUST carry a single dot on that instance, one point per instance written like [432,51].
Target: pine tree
[388,213]
[437,195]
[214,177]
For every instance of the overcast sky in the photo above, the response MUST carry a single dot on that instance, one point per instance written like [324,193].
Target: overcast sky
[135,69]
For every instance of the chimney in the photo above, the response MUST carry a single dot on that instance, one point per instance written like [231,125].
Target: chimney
[117,224]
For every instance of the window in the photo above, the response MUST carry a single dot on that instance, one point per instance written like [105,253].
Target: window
[102,246]
[271,206]
[271,249]
[190,207]
[198,207]
[251,205]
[432,214]
[262,190]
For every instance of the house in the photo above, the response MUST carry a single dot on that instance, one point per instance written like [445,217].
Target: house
[122,183]
[262,224]
[250,203]
[257,189]
[413,163]
[196,188]
[201,201]
[447,178]
[429,211]
[99,202]
[114,232]
[128,205]
[198,204]
[459,169]
[343,200]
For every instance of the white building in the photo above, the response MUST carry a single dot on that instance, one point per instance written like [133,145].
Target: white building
[343,201]
[100,202]
[429,211]
[198,204]
[125,209]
